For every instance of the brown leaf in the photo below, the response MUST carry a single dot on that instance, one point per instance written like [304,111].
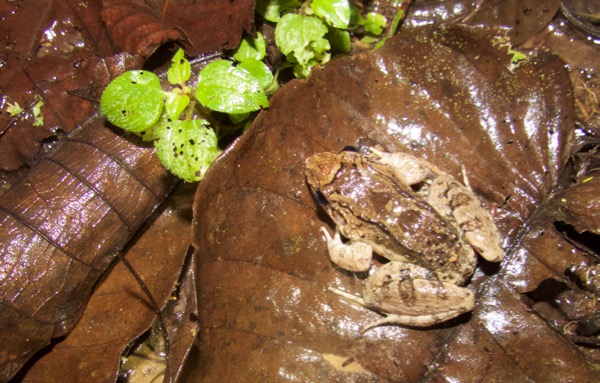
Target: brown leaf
[135,27]
[579,205]
[211,25]
[62,222]
[521,19]
[61,227]
[52,48]
[139,27]
[119,311]
[445,95]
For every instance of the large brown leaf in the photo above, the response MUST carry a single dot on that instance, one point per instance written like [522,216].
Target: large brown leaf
[119,310]
[207,25]
[445,95]
[61,227]
[63,222]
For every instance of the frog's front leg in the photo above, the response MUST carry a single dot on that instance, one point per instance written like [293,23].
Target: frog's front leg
[411,295]
[355,256]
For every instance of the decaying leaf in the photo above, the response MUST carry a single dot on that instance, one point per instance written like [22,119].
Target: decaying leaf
[63,221]
[61,227]
[446,95]
[118,310]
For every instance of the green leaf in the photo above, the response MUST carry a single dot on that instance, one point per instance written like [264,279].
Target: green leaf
[238,118]
[187,148]
[272,10]
[175,104]
[335,12]
[133,101]
[356,18]
[225,88]
[302,38]
[259,70]
[302,71]
[251,48]
[37,113]
[396,22]
[339,40]
[374,23]
[180,69]
[14,109]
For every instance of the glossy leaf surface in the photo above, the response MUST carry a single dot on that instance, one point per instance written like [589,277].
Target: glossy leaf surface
[445,95]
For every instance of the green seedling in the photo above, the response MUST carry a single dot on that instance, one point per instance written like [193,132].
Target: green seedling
[185,142]
[177,119]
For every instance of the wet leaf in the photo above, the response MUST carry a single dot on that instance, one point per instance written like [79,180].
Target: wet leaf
[133,101]
[63,221]
[230,89]
[62,51]
[522,19]
[61,227]
[119,311]
[202,26]
[446,95]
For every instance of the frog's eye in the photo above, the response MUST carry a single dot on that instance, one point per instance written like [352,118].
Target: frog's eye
[321,199]
[350,148]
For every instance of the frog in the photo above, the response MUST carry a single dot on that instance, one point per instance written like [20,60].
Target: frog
[427,226]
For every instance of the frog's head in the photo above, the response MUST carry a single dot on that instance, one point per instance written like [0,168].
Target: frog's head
[321,168]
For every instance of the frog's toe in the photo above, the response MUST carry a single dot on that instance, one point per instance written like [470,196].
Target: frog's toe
[414,320]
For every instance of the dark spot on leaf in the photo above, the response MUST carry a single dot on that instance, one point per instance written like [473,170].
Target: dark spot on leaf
[192,142]
[124,112]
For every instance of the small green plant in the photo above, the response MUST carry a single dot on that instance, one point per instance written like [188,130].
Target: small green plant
[517,58]
[16,111]
[308,33]
[177,119]
[185,142]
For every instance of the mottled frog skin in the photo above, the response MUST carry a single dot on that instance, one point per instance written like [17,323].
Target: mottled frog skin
[425,222]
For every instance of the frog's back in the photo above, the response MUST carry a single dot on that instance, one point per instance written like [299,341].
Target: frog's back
[399,224]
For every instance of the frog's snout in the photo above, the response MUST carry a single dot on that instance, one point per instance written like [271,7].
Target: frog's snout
[320,169]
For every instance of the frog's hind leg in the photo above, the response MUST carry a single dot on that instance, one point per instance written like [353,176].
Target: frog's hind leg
[411,295]
[406,320]
[450,198]
[407,168]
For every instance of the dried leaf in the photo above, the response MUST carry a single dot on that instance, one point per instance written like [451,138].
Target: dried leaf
[445,95]
[136,27]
